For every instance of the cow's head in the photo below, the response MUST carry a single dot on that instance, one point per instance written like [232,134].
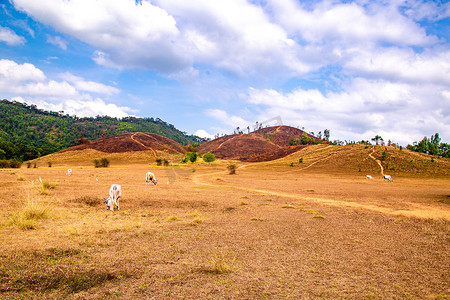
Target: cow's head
[154,181]
[108,203]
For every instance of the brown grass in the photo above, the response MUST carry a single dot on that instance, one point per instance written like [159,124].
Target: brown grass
[259,234]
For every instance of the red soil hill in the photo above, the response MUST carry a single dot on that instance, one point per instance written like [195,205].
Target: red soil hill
[261,145]
[137,141]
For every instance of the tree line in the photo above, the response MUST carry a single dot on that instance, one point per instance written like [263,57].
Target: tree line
[27,132]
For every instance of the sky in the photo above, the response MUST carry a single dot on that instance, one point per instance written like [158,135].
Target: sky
[357,68]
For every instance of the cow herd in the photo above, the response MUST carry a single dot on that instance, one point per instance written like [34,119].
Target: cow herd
[115,190]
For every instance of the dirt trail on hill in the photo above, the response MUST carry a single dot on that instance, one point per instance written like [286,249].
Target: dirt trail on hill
[415,209]
[132,137]
[378,162]
[322,159]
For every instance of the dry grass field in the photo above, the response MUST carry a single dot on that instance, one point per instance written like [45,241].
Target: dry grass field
[316,229]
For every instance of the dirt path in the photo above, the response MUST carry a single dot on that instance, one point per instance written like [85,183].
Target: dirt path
[132,137]
[224,142]
[378,162]
[415,209]
[317,161]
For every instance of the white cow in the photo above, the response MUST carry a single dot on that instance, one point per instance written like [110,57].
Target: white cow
[114,194]
[69,172]
[149,176]
[388,177]
[369,177]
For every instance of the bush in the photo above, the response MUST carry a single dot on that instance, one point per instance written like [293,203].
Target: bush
[166,162]
[49,164]
[10,163]
[190,156]
[103,162]
[158,161]
[232,169]
[300,160]
[383,156]
[209,157]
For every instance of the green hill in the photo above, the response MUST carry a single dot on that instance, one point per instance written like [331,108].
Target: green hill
[27,132]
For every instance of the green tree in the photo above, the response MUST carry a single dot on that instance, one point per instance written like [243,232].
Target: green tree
[377,138]
[209,157]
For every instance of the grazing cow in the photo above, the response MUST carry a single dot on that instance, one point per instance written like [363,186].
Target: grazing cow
[69,172]
[114,194]
[369,177]
[149,176]
[388,177]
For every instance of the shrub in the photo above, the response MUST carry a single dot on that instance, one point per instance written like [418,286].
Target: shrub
[10,163]
[232,169]
[190,156]
[103,162]
[158,161]
[49,164]
[28,164]
[300,160]
[383,156]
[291,165]
[166,162]
[209,157]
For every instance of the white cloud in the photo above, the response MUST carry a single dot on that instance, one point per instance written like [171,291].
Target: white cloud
[25,81]
[89,86]
[57,41]
[222,116]
[10,37]
[80,108]
[401,111]
[11,73]
[130,35]
[204,134]
[330,21]
[402,65]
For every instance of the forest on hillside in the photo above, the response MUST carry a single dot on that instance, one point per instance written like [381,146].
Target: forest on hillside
[27,132]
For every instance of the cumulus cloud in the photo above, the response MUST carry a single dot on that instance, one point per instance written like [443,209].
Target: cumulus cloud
[12,73]
[246,38]
[366,107]
[80,108]
[10,37]
[348,23]
[130,35]
[203,134]
[72,94]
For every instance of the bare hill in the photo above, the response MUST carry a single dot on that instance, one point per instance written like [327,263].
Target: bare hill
[262,145]
[137,141]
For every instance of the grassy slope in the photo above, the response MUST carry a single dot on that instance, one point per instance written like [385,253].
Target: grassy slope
[355,160]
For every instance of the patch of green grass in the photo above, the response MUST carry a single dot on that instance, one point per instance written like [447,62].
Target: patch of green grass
[318,217]
[257,219]
[243,203]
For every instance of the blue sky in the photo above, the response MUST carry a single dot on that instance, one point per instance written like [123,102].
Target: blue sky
[358,68]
